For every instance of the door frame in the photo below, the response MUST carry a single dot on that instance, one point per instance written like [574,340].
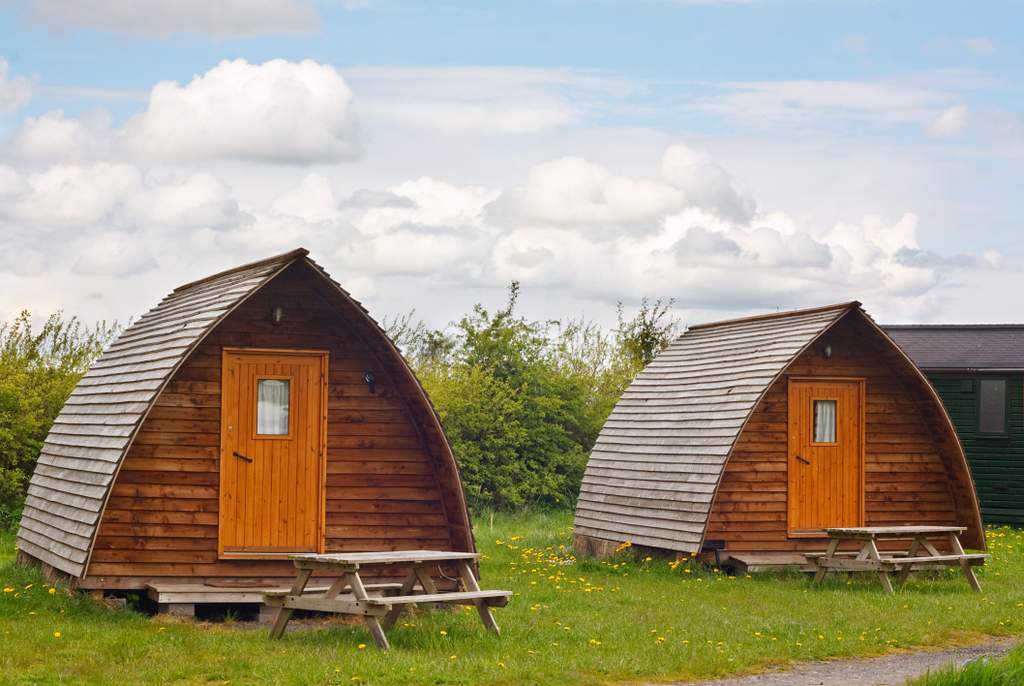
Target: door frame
[321,510]
[790,439]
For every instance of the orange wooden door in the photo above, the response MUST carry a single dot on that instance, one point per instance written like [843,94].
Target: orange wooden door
[826,455]
[273,425]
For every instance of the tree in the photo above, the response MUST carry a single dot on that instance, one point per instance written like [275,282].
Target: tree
[38,370]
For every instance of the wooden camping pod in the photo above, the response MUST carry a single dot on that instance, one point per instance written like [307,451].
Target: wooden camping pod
[166,463]
[753,435]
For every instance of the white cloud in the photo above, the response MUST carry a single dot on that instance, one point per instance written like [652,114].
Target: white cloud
[910,99]
[950,122]
[704,183]
[504,100]
[81,198]
[684,232]
[313,200]
[113,254]
[52,136]
[574,192]
[15,91]
[163,17]
[275,112]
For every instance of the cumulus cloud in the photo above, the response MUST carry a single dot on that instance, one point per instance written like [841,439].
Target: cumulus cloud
[275,112]
[163,17]
[15,91]
[704,183]
[113,254]
[684,233]
[69,196]
[574,192]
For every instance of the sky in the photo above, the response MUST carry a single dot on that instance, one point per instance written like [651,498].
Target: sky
[734,156]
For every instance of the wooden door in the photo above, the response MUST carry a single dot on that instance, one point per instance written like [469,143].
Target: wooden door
[826,455]
[273,452]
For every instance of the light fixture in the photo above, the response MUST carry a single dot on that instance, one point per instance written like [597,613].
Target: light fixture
[828,352]
[370,379]
[276,314]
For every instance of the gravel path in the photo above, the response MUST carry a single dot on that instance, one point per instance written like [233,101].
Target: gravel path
[889,670]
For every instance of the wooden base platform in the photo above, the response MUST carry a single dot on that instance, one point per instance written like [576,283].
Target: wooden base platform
[181,599]
[752,563]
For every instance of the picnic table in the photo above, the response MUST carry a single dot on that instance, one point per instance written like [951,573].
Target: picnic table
[382,609]
[919,554]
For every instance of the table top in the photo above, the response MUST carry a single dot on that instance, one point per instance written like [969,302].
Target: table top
[891,531]
[387,557]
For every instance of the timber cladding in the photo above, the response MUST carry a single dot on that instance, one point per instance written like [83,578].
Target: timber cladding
[699,448]
[388,478]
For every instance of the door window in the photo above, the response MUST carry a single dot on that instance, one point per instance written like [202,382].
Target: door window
[824,421]
[272,397]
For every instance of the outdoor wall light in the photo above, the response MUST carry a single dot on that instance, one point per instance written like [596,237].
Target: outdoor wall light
[828,352]
[276,314]
[370,379]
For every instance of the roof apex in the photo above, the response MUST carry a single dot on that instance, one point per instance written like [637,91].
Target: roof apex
[853,304]
[283,258]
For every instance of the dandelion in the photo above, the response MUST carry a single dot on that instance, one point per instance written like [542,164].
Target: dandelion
[443,632]
[362,646]
[594,642]
[51,590]
[8,589]
[56,634]
[453,657]
[29,586]
[502,665]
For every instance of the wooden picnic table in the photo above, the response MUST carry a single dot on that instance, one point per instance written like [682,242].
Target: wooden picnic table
[381,610]
[919,554]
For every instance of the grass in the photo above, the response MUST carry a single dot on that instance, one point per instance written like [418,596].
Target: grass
[1005,671]
[570,623]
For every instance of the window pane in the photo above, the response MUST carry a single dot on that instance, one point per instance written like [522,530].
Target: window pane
[824,421]
[992,414]
[272,407]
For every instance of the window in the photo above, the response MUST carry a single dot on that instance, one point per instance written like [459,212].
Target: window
[992,406]
[272,407]
[824,421]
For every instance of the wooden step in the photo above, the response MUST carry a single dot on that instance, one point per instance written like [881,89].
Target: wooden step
[461,597]
[971,558]
[199,593]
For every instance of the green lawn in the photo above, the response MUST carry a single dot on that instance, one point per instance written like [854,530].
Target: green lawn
[1005,671]
[569,623]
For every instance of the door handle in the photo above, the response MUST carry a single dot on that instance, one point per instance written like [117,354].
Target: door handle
[802,459]
[240,456]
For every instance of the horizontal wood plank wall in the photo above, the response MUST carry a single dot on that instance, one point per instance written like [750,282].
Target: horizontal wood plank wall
[383,489]
[906,478]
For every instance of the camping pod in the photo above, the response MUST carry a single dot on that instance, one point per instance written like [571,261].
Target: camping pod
[749,437]
[252,414]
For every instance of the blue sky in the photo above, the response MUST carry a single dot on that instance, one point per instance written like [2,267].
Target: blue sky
[825,150]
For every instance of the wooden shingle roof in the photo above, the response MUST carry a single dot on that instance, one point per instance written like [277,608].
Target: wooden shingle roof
[654,470]
[91,435]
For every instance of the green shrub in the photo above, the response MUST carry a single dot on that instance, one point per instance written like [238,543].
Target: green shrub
[523,401]
[38,370]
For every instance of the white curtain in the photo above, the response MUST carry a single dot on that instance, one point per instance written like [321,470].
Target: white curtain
[824,421]
[272,407]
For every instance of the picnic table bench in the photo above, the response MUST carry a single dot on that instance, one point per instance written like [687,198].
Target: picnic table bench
[350,596]
[920,554]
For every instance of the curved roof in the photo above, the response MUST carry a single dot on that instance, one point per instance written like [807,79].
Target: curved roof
[94,430]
